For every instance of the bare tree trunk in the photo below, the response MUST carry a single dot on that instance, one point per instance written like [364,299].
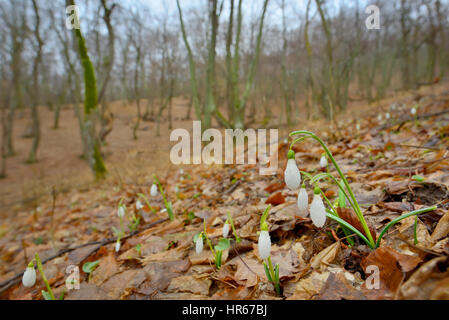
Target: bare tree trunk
[34,111]
[94,156]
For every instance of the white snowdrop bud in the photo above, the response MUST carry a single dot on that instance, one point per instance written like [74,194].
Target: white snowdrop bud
[199,245]
[318,211]
[225,230]
[387,115]
[413,111]
[121,211]
[29,277]
[153,190]
[264,245]
[379,117]
[292,176]
[139,205]
[303,200]
[323,161]
[117,246]
[357,126]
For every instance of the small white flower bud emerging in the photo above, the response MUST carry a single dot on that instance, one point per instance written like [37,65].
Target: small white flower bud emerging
[117,246]
[199,245]
[357,126]
[303,200]
[292,176]
[139,205]
[413,111]
[323,161]
[264,245]
[29,277]
[153,190]
[318,211]
[121,211]
[225,230]
[387,115]
[379,117]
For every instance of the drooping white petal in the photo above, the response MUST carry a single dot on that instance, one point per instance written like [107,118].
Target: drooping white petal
[199,245]
[303,200]
[29,277]
[292,176]
[318,211]
[413,111]
[117,246]
[323,161]
[225,230]
[387,115]
[153,190]
[121,211]
[264,244]
[139,205]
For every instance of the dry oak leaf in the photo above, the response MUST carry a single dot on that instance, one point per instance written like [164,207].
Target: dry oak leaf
[276,199]
[391,266]
[107,268]
[248,273]
[192,284]
[442,228]
[325,257]
[428,282]
[306,288]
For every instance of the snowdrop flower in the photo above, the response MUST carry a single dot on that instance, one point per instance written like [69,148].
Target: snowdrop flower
[139,205]
[225,230]
[413,111]
[323,161]
[199,245]
[387,115]
[379,117]
[29,276]
[317,210]
[121,211]
[357,126]
[303,199]
[292,176]
[117,246]
[264,244]
[153,190]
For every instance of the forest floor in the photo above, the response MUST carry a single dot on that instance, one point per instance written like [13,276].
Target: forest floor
[158,259]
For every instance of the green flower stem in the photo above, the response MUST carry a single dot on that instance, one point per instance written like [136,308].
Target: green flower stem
[334,212]
[167,205]
[330,215]
[141,195]
[208,241]
[263,223]
[41,270]
[357,209]
[237,238]
[415,235]
[308,175]
[326,174]
[328,203]
[393,222]
[273,276]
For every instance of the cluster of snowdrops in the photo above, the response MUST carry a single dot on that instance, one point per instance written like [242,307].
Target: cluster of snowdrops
[319,213]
